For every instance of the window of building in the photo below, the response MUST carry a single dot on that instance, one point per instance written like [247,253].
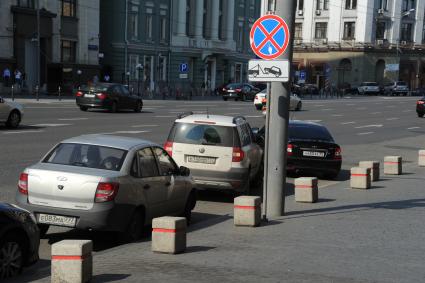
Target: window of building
[220,21]
[322,5]
[300,5]
[238,72]
[380,30]
[321,30]
[132,64]
[163,29]
[271,5]
[149,20]
[298,31]
[162,68]
[252,4]
[69,8]
[350,4]
[349,30]
[205,33]
[26,4]
[133,23]
[406,32]
[423,34]
[68,51]
[240,36]
[383,4]
[325,4]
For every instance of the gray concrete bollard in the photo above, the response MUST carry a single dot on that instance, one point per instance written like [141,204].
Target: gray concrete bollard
[72,261]
[374,169]
[421,158]
[169,235]
[306,189]
[393,165]
[247,211]
[360,178]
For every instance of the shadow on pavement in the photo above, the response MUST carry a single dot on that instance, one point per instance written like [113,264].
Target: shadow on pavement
[109,277]
[20,128]
[197,249]
[38,271]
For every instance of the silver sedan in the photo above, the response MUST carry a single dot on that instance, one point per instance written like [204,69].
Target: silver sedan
[11,113]
[105,182]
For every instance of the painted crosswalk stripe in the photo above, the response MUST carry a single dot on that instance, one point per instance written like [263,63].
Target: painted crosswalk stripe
[348,123]
[23,132]
[144,126]
[50,125]
[393,118]
[72,119]
[365,133]
[413,128]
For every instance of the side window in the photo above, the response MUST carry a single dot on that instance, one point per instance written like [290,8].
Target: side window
[124,91]
[147,162]
[166,164]
[134,171]
[116,90]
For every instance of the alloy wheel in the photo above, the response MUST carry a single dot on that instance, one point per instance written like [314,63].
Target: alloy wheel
[11,259]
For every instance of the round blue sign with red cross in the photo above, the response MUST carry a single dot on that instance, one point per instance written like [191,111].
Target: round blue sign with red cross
[269,37]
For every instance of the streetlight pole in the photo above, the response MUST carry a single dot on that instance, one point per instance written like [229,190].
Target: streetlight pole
[38,45]
[126,37]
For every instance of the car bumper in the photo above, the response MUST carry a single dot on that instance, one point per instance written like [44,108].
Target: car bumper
[231,180]
[93,103]
[230,95]
[420,109]
[314,165]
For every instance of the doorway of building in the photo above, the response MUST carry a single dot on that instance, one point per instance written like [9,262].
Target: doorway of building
[379,71]
[344,73]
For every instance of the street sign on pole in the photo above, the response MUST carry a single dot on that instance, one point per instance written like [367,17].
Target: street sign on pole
[268,71]
[302,76]
[184,68]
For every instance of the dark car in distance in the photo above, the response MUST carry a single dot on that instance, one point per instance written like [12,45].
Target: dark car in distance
[239,91]
[311,150]
[113,97]
[19,240]
[420,107]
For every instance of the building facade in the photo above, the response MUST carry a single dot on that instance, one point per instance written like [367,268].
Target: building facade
[346,42]
[67,41]
[178,43]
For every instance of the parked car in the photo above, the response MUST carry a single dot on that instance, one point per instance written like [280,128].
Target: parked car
[105,182]
[113,97]
[11,113]
[19,240]
[420,107]
[311,149]
[239,91]
[369,88]
[260,101]
[305,89]
[396,88]
[219,150]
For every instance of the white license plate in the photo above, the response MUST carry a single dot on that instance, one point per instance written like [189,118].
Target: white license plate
[201,159]
[314,153]
[57,220]
[89,95]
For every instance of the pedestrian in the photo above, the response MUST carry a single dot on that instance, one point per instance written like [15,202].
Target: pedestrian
[18,78]
[95,79]
[107,78]
[6,76]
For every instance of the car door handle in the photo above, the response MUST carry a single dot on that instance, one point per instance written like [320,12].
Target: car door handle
[146,187]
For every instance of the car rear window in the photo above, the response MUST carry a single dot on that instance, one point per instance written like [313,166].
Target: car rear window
[233,86]
[204,134]
[86,155]
[309,133]
[94,88]
[401,83]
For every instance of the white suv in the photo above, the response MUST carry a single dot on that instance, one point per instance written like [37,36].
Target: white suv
[219,150]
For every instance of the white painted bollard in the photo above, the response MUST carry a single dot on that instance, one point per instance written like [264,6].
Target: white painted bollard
[421,158]
[306,189]
[247,211]
[360,178]
[374,169]
[72,261]
[393,165]
[169,235]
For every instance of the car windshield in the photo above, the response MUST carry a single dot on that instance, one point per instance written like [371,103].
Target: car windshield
[86,155]
[370,84]
[233,86]
[203,134]
[94,88]
[309,133]
[401,83]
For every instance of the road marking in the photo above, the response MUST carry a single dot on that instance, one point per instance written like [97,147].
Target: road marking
[412,128]
[365,133]
[234,108]
[319,105]
[314,121]
[337,115]
[48,107]
[393,118]
[143,126]
[73,119]
[23,132]
[374,113]
[350,104]
[347,123]
[390,106]
[258,116]
[50,125]
[126,132]
[327,109]
[361,108]
[408,110]
[369,126]
[200,105]
[165,116]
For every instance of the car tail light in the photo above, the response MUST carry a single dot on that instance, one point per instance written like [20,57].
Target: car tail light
[238,90]
[168,146]
[79,94]
[420,102]
[338,153]
[289,149]
[106,192]
[238,154]
[23,184]
[101,95]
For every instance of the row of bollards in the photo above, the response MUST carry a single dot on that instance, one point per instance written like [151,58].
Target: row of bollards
[37,93]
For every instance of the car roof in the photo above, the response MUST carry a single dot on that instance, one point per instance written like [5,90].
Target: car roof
[305,123]
[219,120]
[120,142]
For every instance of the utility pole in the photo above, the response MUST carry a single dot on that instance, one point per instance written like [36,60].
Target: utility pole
[278,124]
[126,37]
[38,45]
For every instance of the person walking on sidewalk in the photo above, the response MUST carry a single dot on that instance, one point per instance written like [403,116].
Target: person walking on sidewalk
[6,77]
[18,78]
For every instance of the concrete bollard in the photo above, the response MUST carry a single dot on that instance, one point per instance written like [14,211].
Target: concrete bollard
[421,158]
[306,189]
[392,165]
[360,178]
[72,261]
[374,169]
[169,235]
[247,211]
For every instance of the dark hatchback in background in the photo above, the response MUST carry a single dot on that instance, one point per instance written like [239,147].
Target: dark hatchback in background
[311,150]
[420,107]
[19,240]
[113,97]
[238,91]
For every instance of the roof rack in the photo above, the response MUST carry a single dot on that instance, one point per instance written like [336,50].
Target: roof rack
[185,114]
[237,118]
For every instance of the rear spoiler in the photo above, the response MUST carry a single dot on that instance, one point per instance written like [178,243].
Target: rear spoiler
[185,114]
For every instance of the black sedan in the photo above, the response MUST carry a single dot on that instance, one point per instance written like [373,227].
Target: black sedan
[113,97]
[311,150]
[420,107]
[239,91]
[19,240]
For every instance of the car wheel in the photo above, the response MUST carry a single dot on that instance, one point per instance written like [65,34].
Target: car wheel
[134,228]
[331,176]
[420,115]
[138,108]
[43,229]
[299,106]
[259,106]
[84,108]
[14,119]
[12,254]
[190,205]
[114,107]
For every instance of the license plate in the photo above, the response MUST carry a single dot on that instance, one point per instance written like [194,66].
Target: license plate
[201,159]
[89,95]
[57,220]
[314,153]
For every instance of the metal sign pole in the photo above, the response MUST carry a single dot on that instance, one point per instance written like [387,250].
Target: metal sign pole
[266,152]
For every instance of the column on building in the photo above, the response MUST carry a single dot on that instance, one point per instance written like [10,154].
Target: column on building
[230,19]
[419,24]
[181,17]
[215,17]
[199,18]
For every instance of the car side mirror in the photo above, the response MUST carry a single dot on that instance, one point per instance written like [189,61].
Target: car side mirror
[184,171]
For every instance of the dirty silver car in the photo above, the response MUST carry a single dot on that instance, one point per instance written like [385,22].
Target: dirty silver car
[105,182]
